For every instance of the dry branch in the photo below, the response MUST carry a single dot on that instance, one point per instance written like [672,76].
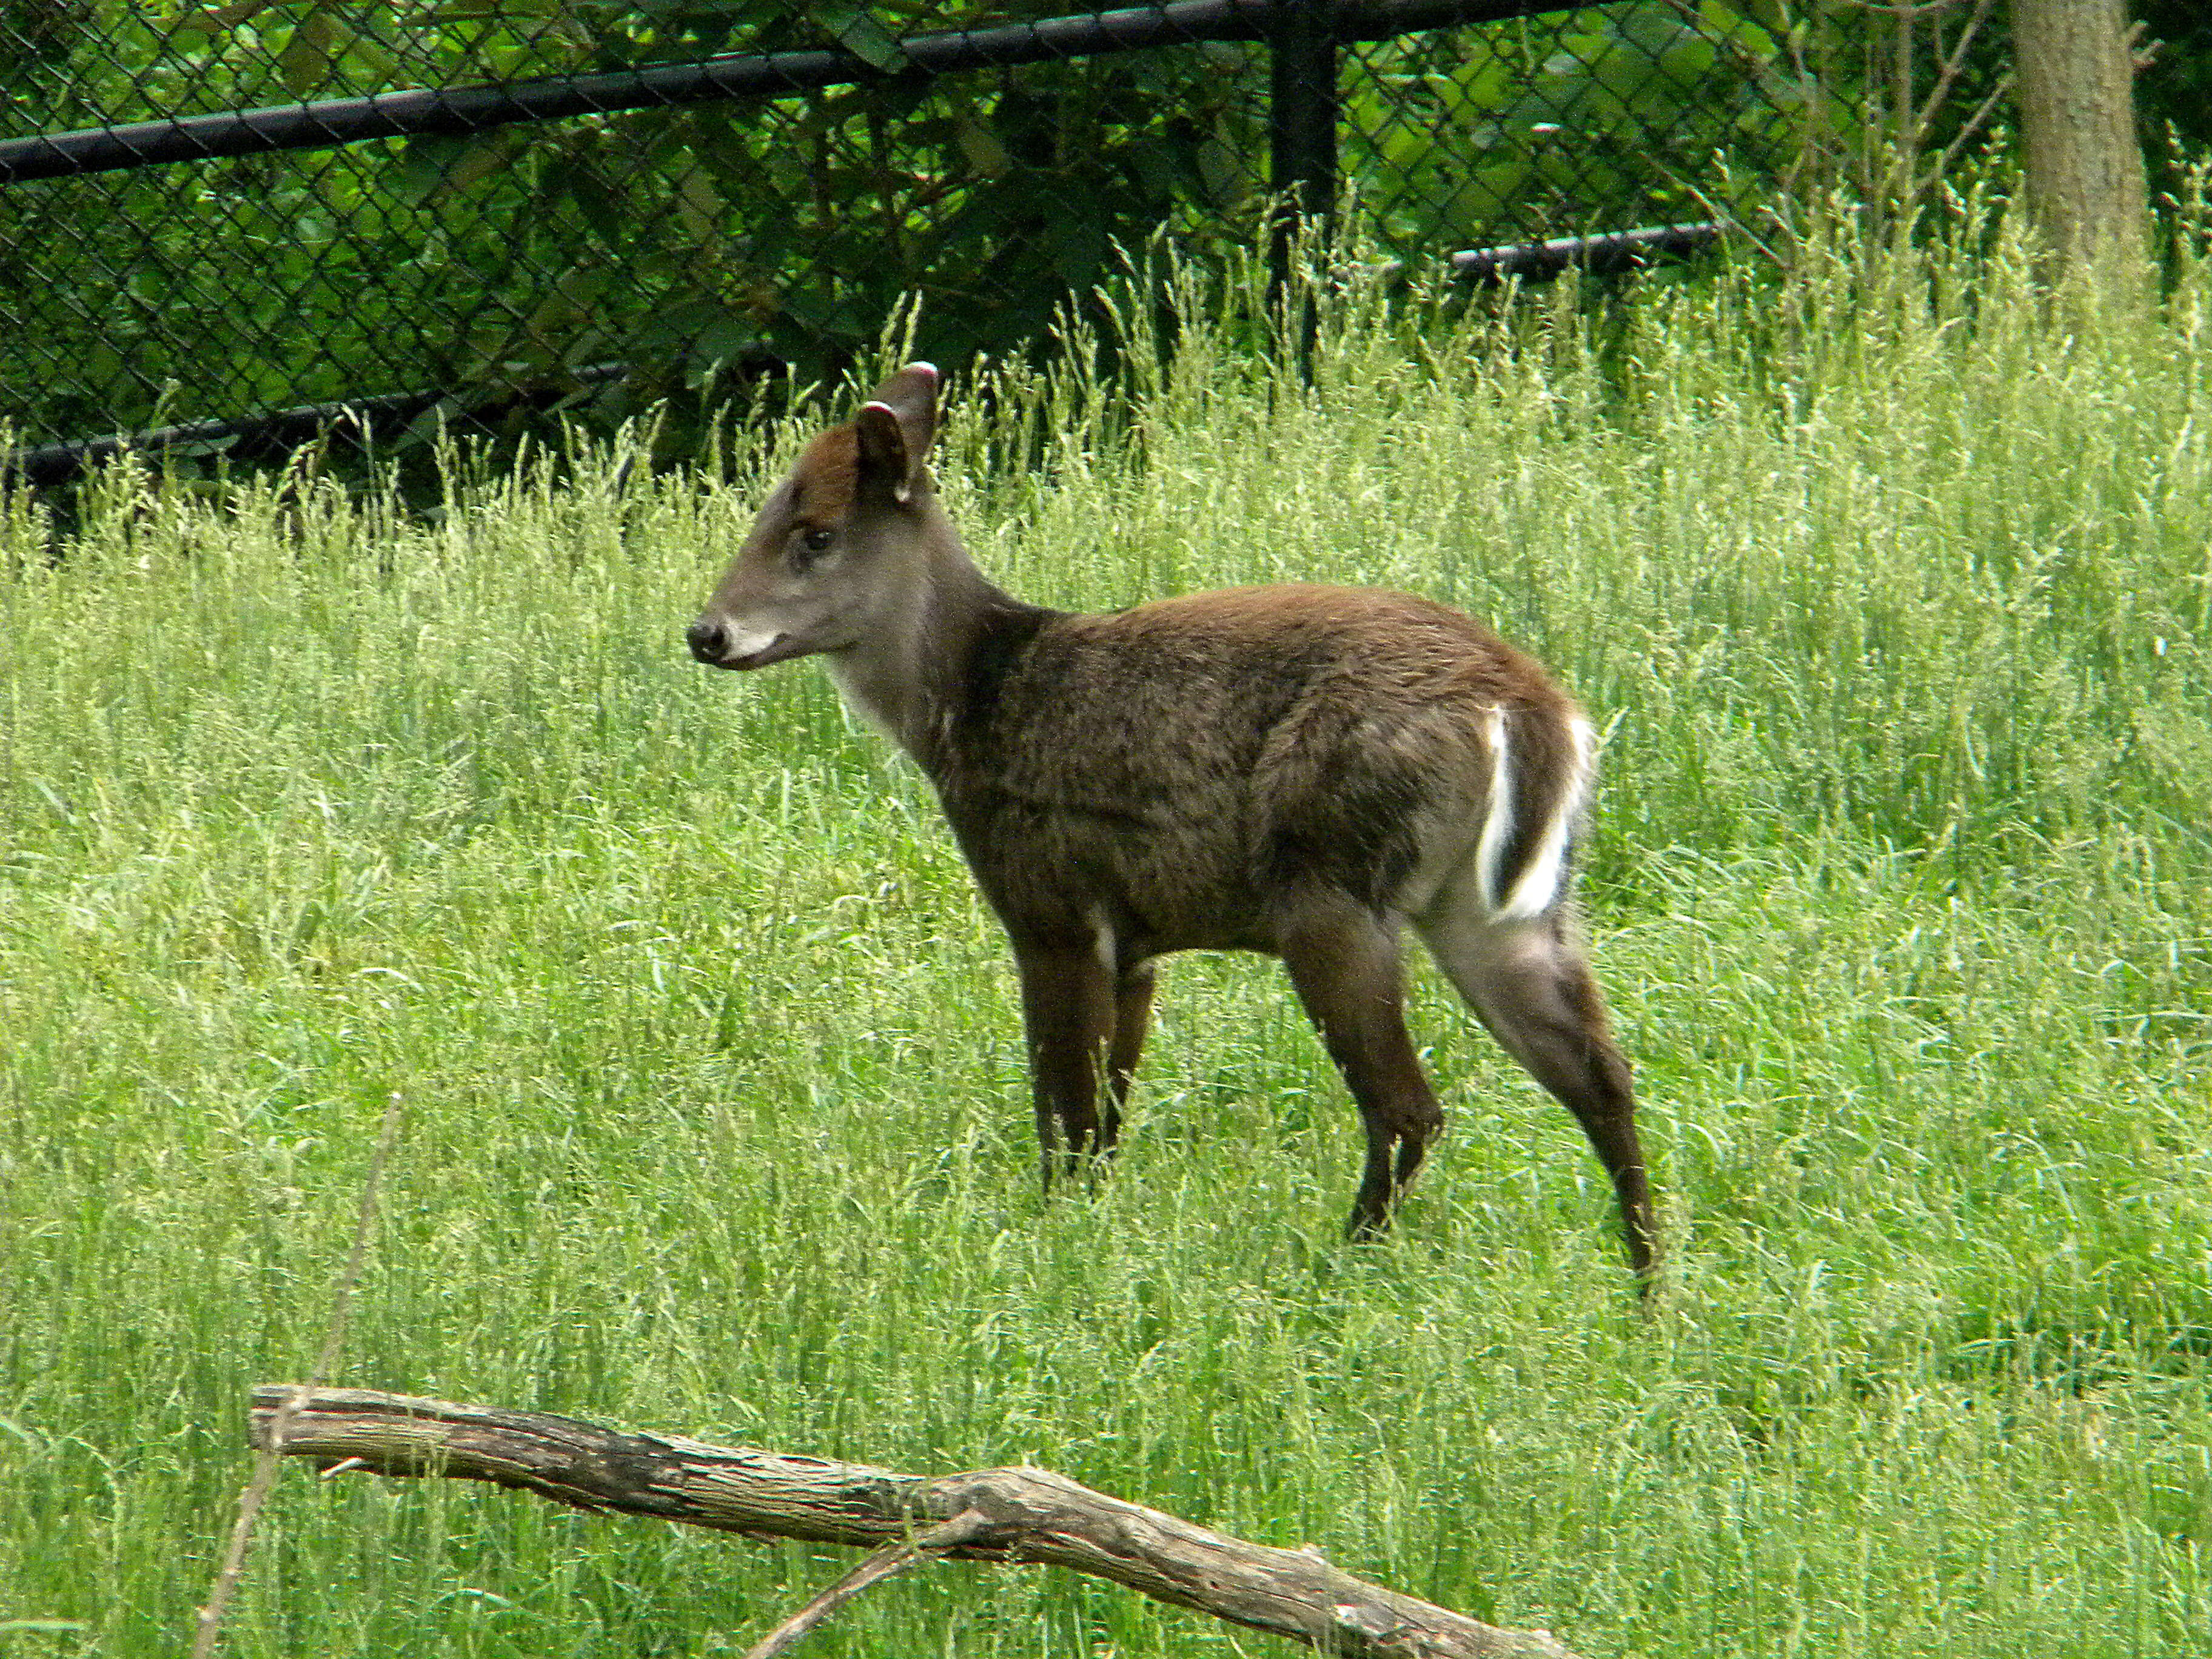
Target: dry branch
[1009,1515]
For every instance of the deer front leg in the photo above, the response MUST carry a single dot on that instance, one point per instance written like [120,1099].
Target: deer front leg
[1069,1017]
[1133,1018]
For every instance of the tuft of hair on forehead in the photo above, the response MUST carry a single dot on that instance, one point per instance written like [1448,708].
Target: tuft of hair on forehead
[827,477]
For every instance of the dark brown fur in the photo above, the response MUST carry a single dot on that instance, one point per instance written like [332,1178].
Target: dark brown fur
[1298,770]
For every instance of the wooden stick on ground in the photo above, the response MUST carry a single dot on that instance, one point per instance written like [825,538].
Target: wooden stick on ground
[1009,1515]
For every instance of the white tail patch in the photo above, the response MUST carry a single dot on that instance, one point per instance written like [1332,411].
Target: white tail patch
[1541,878]
[1497,823]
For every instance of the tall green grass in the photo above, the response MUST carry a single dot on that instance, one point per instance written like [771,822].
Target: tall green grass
[1890,585]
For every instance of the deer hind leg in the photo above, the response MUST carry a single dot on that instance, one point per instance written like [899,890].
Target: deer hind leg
[1345,962]
[1531,986]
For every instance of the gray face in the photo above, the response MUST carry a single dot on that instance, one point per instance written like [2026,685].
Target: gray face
[795,588]
[840,549]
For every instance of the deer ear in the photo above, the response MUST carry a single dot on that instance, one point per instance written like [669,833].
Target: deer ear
[884,462]
[896,427]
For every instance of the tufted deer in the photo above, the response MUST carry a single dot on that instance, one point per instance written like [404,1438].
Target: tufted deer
[1299,770]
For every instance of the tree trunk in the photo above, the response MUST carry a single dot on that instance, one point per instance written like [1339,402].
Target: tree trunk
[1009,1515]
[2075,73]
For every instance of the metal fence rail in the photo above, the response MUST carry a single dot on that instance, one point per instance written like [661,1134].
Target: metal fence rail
[477,212]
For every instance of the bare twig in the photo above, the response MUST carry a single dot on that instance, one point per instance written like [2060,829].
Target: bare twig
[1973,124]
[264,1468]
[1909,14]
[1719,212]
[1948,73]
[963,1528]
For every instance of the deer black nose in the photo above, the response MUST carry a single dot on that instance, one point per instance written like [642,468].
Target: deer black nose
[706,640]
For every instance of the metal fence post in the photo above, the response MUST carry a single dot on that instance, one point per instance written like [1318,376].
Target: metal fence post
[1302,113]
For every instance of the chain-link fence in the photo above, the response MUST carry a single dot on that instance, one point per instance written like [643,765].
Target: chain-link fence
[476,211]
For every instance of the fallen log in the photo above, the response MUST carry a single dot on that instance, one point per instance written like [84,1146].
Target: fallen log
[1004,1515]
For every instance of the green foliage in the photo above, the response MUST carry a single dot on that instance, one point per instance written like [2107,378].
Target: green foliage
[1586,120]
[2173,90]
[684,241]
[1890,589]
[718,242]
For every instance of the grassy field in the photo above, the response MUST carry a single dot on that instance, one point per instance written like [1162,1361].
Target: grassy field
[1893,589]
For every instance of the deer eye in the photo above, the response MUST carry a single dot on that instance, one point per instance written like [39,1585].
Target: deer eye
[810,544]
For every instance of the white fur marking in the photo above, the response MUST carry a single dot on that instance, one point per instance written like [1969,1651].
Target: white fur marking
[745,643]
[1498,822]
[848,682]
[1543,880]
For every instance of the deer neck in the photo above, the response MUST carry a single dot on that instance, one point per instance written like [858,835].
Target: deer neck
[913,678]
